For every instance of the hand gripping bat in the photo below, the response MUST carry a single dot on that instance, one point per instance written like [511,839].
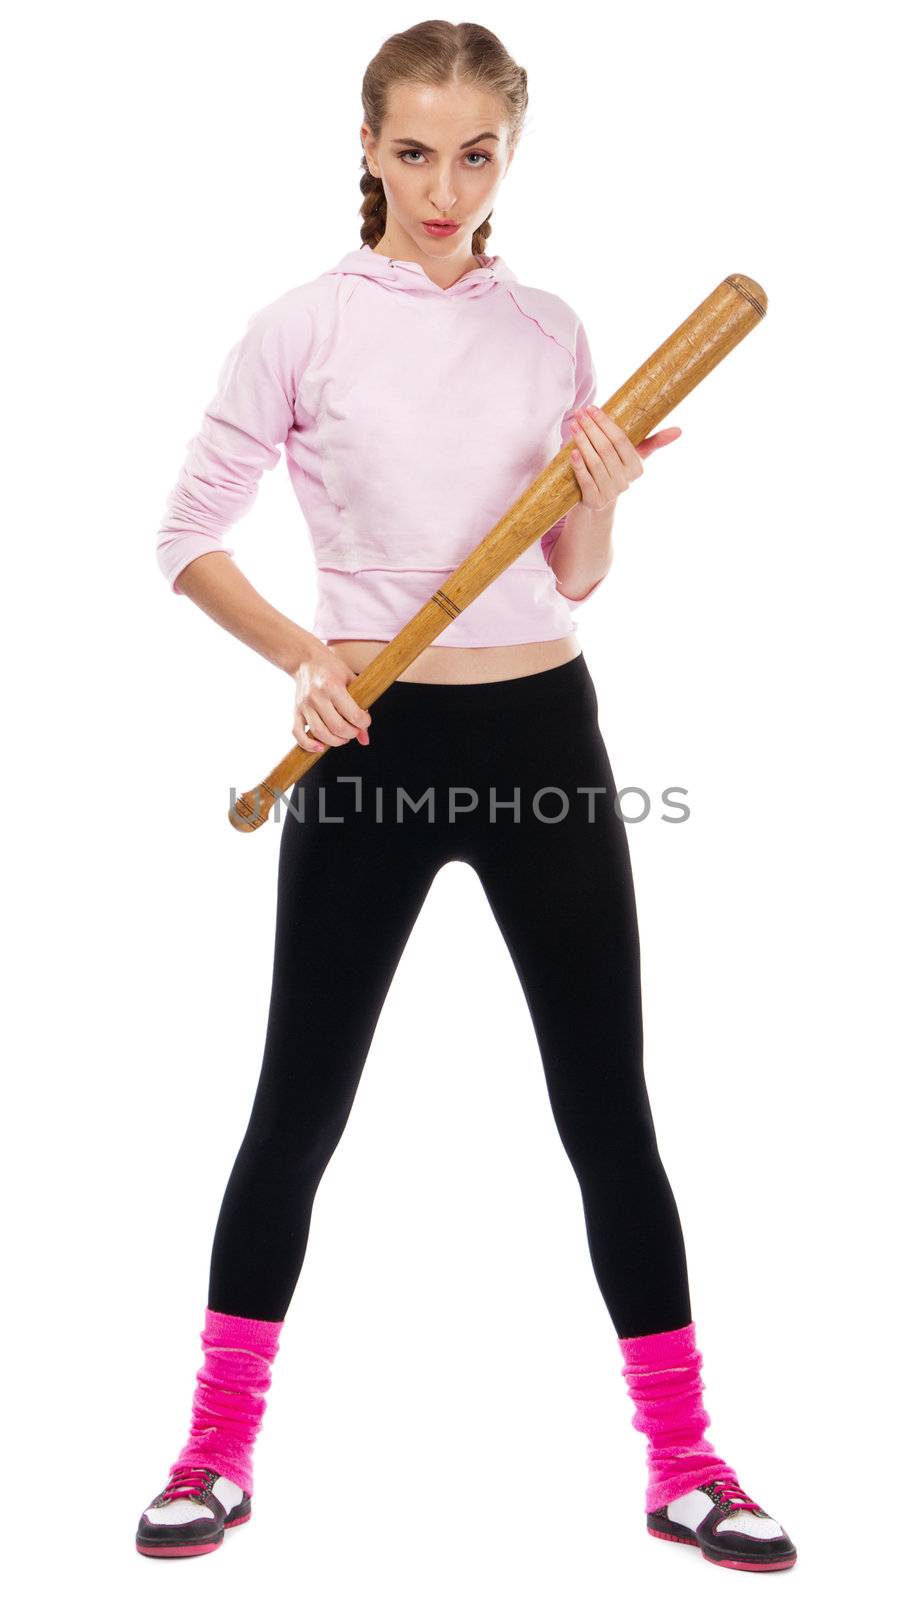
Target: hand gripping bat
[728,314]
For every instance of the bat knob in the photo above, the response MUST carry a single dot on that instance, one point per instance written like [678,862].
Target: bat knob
[252,809]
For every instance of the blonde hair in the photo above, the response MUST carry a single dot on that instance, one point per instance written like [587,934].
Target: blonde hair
[437,53]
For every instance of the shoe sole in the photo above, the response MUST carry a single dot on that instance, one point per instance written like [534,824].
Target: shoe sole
[151,1548]
[776,1564]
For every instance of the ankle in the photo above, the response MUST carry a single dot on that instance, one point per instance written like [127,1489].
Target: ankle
[662,1372]
[230,1397]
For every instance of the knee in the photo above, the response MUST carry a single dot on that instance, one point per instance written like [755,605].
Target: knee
[295,1147]
[609,1149]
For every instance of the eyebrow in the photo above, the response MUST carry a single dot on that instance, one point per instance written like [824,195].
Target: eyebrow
[417,145]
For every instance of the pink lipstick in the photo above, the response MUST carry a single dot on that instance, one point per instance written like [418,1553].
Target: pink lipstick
[441,230]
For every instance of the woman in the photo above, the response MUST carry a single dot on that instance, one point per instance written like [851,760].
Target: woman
[418,388]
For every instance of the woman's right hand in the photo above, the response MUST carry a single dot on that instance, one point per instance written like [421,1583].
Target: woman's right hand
[324,711]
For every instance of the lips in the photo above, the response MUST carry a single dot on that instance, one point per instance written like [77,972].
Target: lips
[441,227]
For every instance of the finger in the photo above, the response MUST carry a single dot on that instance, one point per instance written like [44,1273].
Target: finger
[320,725]
[589,425]
[335,713]
[303,738]
[619,438]
[337,727]
[357,715]
[606,473]
[585,480]
[656,441]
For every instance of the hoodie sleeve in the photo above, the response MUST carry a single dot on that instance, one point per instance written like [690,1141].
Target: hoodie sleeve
[250,415]
[586,391]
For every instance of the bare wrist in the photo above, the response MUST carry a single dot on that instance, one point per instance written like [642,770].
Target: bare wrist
[295,650]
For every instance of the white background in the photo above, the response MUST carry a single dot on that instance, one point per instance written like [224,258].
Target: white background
[447,1415]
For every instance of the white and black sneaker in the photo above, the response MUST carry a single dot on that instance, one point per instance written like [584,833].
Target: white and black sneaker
[729,1528]
[189,1516]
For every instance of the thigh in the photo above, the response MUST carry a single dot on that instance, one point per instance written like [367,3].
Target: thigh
[350,888]
[563,896]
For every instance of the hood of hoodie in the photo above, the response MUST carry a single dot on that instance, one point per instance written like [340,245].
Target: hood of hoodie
[408,277]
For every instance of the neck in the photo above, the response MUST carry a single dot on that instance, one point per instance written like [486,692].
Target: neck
[444,272]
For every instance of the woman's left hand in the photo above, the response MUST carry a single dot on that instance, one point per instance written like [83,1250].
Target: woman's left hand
[605,459]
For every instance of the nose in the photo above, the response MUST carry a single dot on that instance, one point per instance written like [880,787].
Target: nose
[443,200]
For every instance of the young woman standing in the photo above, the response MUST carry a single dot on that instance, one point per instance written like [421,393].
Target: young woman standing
[418,387]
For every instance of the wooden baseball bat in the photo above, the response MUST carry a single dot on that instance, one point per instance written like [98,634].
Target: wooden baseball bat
[725,317]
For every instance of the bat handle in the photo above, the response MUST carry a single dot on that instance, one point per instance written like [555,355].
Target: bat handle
[251,810]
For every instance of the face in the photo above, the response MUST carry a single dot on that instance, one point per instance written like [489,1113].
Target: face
[428,175]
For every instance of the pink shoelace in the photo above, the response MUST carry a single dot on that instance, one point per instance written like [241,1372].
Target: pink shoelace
[186,1483]
[733,1493]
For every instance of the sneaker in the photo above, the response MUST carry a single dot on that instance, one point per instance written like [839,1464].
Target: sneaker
[729,1528]
[190,1515]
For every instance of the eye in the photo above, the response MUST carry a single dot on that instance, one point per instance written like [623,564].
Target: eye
[485,158]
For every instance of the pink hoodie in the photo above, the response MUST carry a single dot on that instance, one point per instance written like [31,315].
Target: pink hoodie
[412,418]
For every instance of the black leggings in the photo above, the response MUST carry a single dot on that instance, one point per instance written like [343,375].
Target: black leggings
[554,862]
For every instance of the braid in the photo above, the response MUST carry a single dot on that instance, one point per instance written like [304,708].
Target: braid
[481,235]
[373,207]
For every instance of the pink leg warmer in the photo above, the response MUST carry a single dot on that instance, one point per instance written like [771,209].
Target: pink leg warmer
[230,1395]
[662,1375]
